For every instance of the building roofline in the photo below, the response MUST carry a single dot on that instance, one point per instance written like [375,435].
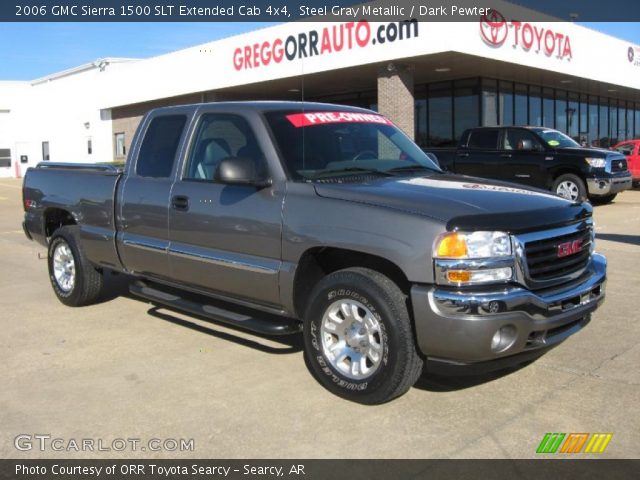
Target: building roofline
[100,63]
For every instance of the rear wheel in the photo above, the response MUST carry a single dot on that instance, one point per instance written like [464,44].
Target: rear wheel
[358,337]
[74,279]
[571,187]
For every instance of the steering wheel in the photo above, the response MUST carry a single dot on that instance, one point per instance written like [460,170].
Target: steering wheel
[360,155]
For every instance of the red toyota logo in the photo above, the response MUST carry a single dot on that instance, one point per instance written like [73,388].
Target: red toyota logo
[493,28]
[569,248]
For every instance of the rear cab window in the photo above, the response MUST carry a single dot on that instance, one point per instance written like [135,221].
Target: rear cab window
[157,154]
[484,139]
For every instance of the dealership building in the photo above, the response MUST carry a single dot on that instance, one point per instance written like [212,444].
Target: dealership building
[433,79]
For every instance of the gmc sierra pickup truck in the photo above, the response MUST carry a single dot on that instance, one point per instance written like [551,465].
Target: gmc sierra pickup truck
[539,157]
[325,220]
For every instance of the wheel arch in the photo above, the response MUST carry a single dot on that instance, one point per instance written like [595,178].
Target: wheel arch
[53,218]
[317,262]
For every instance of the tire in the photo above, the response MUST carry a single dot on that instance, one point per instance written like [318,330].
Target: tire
[379,327]
[603,199]
[74,279]
[571,187]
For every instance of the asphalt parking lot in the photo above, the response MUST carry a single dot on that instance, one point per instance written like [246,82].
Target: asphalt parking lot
[123,369]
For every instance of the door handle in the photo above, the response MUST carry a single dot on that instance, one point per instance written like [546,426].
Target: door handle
[462,154]
[180,202]
[506,155]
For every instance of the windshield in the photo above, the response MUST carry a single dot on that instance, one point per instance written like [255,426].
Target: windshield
[319,145]
[556,139]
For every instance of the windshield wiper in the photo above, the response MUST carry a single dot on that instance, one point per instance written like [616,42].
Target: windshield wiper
[350,171]
[409,168]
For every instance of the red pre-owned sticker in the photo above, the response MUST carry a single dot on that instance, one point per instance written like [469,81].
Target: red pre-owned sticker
[321,118]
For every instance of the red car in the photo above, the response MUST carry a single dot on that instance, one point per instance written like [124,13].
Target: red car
[631,150]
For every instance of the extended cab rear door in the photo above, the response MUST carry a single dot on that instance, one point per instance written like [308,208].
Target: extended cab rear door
[143,229]
[478,155]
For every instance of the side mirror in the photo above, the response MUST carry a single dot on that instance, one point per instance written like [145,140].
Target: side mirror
[239,171]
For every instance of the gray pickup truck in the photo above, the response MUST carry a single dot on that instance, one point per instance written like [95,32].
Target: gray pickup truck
[325,220]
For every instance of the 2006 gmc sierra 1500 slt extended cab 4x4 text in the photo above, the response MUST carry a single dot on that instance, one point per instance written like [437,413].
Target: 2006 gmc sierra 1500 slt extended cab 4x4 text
[328,220]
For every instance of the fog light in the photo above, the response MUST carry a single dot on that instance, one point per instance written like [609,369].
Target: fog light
[504,338]
[479,276]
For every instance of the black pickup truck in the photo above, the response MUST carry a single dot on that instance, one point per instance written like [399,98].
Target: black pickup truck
[327,220]
[539,157]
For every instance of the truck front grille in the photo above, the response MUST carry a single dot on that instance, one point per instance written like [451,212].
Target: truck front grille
[618,165]
[546,259]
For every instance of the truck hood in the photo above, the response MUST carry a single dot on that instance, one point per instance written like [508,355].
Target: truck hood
[462,202]
[590,152]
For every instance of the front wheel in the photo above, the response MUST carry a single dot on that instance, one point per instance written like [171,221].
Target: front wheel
[74,279]
[571,187]
[358,338]
[603,199]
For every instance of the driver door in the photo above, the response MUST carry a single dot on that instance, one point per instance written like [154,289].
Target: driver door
[523,158]
[225,238]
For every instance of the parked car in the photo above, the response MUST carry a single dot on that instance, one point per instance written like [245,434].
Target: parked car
[631,150]
[539,157]
[328,220]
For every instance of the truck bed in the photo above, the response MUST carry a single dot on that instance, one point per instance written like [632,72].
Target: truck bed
[87,191]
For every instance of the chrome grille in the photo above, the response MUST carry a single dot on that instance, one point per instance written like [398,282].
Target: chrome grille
[541,265]
[618,165]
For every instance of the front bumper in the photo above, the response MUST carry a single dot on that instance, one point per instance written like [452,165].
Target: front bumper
[458,326]
[609,185]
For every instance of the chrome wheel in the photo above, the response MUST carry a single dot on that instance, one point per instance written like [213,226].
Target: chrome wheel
[352,339]
[64,267]
[568,190]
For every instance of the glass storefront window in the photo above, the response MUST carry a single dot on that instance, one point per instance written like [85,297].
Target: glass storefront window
[573,117]
[535,106]
[623,128]
[583,121]
[636,133]
[466,109]
[613,124]
[603,131]
[505,103]
[548,110]
[561,111]
[593,122]
[521,104]
[489,102]
[440,115]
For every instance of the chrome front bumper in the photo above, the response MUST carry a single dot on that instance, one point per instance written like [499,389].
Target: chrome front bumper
[601,186]
[459,325]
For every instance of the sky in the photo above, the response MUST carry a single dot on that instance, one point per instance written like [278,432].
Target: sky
[33,50]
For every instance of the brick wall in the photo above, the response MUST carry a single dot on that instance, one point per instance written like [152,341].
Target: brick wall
[395,95]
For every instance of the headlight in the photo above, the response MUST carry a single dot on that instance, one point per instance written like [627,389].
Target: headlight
[596,162]
[457,245]
[473,258]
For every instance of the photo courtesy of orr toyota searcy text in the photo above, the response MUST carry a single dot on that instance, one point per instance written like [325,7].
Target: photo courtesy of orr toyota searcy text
[332,38]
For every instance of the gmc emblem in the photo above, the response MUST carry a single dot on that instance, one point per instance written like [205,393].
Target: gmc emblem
[569,248]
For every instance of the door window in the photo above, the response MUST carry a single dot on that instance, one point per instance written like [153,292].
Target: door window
[158,151]
[515,139]
[221,136]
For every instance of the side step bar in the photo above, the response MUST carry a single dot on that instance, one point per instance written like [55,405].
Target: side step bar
[271,326]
